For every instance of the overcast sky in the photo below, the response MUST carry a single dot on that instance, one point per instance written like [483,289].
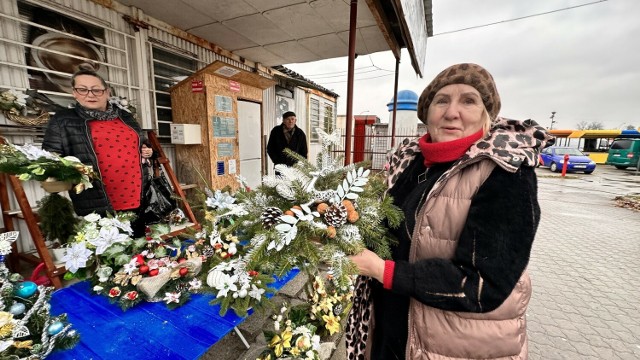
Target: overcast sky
[582,63]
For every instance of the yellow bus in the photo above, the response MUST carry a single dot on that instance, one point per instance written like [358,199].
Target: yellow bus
[596,143]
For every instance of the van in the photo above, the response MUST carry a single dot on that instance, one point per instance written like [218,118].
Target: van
[624,153]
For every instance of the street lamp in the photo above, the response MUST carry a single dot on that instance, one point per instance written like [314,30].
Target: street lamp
[553,114]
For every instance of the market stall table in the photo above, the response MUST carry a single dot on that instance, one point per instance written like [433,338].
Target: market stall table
[147,331]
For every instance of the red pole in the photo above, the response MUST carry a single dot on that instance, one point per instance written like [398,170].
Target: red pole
[352,58]
[565,164]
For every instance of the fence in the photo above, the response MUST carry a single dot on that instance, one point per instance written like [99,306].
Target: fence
[373,143]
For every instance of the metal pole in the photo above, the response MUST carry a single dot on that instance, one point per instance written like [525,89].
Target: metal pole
[395,103]
[350,73]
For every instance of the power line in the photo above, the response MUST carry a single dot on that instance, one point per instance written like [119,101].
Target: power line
[519,18]
[330,76]
[373,77]
[335,72]
[343,73]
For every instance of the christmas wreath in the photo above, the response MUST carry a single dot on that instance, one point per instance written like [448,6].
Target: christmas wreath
[305,216]
[29,162]
[128,270]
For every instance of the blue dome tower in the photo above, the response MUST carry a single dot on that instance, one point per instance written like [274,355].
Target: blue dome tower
[407,100]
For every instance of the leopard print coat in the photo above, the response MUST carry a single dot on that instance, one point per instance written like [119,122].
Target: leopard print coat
[509,143]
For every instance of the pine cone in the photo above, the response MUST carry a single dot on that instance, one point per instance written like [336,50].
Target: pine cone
[270,217]
[336,215]
[208,251]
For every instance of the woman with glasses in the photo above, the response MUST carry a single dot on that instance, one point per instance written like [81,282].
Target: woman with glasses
[105,136]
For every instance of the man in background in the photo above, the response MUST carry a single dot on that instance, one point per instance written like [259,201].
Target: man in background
[286,136]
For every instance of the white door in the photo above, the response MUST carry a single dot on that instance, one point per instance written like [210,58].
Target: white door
[250,142]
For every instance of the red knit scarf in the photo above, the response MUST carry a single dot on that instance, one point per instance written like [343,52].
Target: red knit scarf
[443,152]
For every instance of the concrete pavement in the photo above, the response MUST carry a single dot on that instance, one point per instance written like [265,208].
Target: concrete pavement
[584,268]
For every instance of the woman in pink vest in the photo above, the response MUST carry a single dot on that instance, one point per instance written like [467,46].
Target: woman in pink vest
[456,286]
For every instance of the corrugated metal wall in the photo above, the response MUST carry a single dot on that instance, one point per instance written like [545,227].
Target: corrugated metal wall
[268,122]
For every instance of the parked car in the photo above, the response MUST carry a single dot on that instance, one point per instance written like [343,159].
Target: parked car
[624,153]
[553,157]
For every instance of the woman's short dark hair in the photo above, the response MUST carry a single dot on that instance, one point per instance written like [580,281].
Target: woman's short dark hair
[86,69]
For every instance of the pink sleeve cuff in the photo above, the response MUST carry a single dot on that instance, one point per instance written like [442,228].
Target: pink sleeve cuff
[387,278]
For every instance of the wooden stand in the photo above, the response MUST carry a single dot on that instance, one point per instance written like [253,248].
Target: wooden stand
[26,212]
[164,162]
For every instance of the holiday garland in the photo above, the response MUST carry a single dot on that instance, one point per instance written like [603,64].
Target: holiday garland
[27,329]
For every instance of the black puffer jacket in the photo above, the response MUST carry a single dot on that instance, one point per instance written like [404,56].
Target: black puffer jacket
[278,142]
[67,134]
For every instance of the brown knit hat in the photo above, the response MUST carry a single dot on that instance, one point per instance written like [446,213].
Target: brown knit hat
[469,74]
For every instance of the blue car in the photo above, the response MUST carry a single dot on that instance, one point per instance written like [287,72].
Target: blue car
[553,157]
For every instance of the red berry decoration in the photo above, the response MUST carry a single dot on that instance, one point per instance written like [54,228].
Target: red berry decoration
[153,272]
[181,260]
[253,273]
[143,269]
[183,271]
[139,259]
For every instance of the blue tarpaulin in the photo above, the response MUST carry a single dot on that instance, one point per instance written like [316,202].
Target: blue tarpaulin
[147,331]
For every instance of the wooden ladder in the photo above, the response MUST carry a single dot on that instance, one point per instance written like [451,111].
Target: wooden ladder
[177,188]
[26,212]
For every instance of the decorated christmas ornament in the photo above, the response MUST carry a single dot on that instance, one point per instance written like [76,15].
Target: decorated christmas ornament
[55,328]
[25,289]
[17,308]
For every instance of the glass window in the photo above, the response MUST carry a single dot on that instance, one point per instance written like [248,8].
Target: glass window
[314,119]
[168,69]
[328,118]
[621,144]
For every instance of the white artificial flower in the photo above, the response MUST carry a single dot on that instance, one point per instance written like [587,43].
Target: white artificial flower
[315,342]
[220,200]
[108,236]
[106,222]
[20,97]
[98,288]
[172,297]
[93,217]
[130,267]
[76,257]
[228,285]
[256,292]
[34,153]
[123,225]
[195,284]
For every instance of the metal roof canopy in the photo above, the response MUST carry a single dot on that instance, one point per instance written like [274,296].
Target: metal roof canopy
[277,32]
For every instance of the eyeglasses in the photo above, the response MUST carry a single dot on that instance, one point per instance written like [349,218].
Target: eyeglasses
[84,91]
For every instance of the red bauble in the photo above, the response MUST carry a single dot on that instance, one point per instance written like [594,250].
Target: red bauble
[143,269]
[184,271]
[153,272]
